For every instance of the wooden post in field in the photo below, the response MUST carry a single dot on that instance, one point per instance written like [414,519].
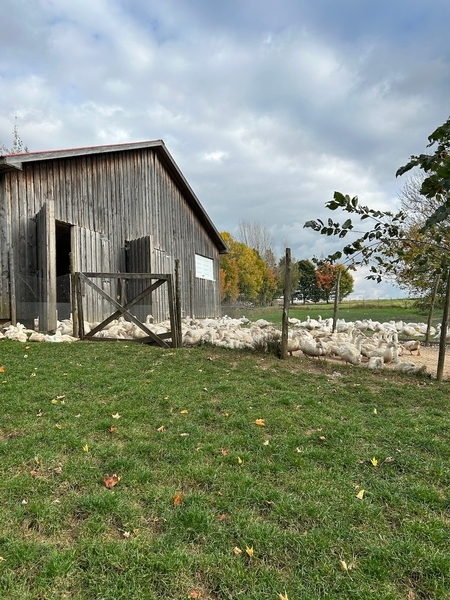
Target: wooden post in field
[443,338]
[287,297]
[336,299]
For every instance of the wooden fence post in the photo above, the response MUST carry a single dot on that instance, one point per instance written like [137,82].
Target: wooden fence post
[287,297]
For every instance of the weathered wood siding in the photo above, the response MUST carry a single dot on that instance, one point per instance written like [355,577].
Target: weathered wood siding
[110,199]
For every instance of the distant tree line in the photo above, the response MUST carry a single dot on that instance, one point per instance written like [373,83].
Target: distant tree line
[251,273]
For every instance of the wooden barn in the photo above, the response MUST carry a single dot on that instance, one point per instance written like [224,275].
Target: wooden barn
[123,208]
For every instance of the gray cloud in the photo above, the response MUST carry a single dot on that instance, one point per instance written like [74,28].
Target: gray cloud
[267,106]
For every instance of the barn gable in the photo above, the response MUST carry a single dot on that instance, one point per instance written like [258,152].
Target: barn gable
[118,208]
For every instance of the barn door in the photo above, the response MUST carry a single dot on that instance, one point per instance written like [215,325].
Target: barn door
[93,254]
[139,260]
[46,256]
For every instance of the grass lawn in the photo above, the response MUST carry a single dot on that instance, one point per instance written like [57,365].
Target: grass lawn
[377,310]
[241,476]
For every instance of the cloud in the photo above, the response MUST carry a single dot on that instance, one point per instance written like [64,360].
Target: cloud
[267,106]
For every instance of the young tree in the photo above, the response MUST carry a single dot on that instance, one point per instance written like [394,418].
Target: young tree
[385,244]
[17,142]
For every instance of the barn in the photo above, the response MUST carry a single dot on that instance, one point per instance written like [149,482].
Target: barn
[115,209]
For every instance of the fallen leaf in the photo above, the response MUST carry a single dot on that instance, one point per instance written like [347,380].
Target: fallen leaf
[240,461]
[58,426]
[27,347]
[178,499]
[360,494]
[344,565]
[223,517]
[375,411]
[389,459]
[184,411]
[2,559]
[283,596]
[195,594]
[184,435]
[54,401]
[86,448]
[237,550]
[110,482]
[34,473]
[33,375]
[57,470]
[265,442]
[162,428]
[322,438]
[224,452]
[374,461]
[249,551]
[78,416]
[40,414]
[116,416]
[2,369]
[112,429]
[24,502]
[126,534]
[260,422]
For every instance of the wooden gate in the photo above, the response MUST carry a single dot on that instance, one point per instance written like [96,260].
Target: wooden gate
[174,334]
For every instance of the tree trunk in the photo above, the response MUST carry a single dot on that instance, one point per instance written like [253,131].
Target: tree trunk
[336,300]
[443,338]
[430,312]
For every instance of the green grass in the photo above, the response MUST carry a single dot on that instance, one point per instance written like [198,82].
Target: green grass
[63,534]
[377,310]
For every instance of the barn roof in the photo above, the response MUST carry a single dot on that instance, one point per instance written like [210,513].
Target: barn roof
[11,162]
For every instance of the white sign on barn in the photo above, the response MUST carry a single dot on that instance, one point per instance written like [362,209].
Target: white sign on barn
[204,267]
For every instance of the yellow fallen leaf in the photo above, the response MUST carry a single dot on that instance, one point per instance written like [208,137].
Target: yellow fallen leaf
[260,422]
[184,412]
[374,461]
[86,448]
[265,442]
[360,494]
[240,461]
[2,369]
[344,565]
[283,596]
[249,551]
[58,426]
[375,411]
[116,416]
[162,428]
[54,401]
[126,534]
[237,551]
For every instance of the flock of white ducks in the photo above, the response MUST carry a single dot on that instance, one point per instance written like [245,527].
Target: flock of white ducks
[360,342]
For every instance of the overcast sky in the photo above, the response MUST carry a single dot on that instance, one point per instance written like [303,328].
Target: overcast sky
[267,106]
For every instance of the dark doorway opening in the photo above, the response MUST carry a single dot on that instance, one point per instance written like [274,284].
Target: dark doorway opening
[63,250]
